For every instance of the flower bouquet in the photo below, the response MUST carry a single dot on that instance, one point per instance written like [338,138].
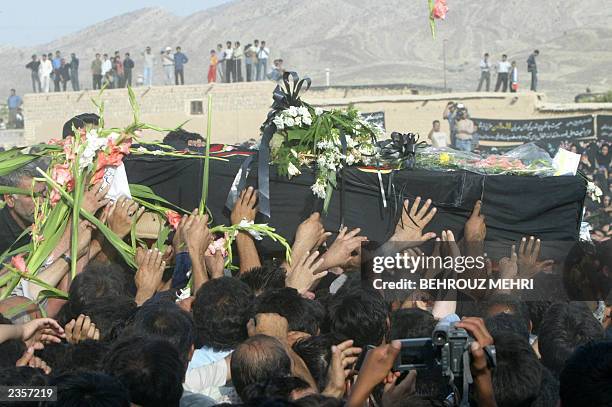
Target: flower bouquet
[527,159]
[326,139]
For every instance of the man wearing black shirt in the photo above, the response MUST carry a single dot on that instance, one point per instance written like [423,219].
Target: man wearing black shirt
[33,66]
[18,213]
[128,65]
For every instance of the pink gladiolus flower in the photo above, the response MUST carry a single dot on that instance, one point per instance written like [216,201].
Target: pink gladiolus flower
[217,245]
[440,9]
[173,219]
[19,263]
[113,156]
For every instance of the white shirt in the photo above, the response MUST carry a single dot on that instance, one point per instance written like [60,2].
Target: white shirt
[167,59]
[263,53]
[149,60]
[45,69]
[106,66]
[485,66]
[503,66]
[439,139]
[228,53]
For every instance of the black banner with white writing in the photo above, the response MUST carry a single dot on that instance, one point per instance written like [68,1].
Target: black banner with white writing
[604,127]
[556,128]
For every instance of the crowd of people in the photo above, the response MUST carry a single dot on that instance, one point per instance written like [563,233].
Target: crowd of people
[117,71]
[180,329]
[507,79]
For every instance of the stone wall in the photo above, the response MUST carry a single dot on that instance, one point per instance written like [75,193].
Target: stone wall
[239,109]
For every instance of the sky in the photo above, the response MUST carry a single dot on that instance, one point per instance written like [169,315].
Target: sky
[31,22]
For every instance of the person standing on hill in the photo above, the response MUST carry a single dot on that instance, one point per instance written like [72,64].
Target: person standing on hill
[168,64]
[34,66]
[503,70]
[212,67]
[238,54]
[230,72]
[532,67]
[44,72]
[14,103]
[128,65]
[74,72]
[96,72]
[248,61]
[262,61]
[149,62]
[180,59]
[485,72]
[64,73]
[220,63]
[57,63]
[119,72]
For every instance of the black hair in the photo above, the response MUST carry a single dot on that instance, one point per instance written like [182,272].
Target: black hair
[319,400]
[168,321]
[537,309]
[178,139]
[511,304]
[564,328]
[518,374]
[584,275]
[302,314]
[586,377]
[23,376]
[10,352]
[410,323]
[80,121]
[316,353]
[150,368]
[273,388]
[264,278]
[358,314]
[504,322]
[256,360]
[549,391]
[435,121]
[221,310]
[90,389]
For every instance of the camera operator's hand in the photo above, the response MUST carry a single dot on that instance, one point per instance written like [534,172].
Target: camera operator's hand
[476,327]
[396,394]
[375,369]
[481,373]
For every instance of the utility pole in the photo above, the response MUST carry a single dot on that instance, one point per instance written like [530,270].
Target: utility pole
[444,60]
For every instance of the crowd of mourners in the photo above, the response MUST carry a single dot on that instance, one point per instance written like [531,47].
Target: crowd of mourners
[180,329]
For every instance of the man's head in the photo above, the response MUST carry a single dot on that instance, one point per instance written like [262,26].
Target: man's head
[507,304]
[178,49]
[44,57]
[221,310]
[359,314]
[182,139]
[563,329]
[261,279]
[586,377]
[228,44]
[151,370]
[316,353]
[34,57]
[302,315]
[486,55]
[73,55]
[21,207]
[148,50]
[220,47]
[80,122]
[105,56]
[13,92]
[57,54]
[50,55]
[167,321]
[256,360]
[127,55]
[536,52]
[411,323]
[513,63]
[504,57]
[97,56]
[117,53]
[237,44]
[256,42]
[436,125]
[263,44]
[92,389]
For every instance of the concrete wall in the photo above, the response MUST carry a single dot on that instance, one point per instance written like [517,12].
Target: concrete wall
[239,109]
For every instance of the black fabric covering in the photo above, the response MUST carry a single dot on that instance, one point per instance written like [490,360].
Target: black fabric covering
[548,208]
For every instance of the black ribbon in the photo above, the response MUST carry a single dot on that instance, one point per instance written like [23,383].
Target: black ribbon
[283,98]
[401,149]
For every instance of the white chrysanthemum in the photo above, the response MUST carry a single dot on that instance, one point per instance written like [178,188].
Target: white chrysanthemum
[350,142]
[293,170]
[350,159]
[114,136]
[318,111]
[306,120]
[141,149]
[278,121]
[303,111]
[292,111]
[318,189]
[289,122]
[298,121]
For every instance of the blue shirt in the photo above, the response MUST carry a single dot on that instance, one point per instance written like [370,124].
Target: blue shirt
[180,59]
[57,63]
[14,102]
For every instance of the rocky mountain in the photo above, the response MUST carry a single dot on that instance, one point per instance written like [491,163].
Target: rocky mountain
[361,42]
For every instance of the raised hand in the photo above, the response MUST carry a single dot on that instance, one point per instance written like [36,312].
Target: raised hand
[395,394]
[303,273]
[28,359]
[245,207]
[529,251]
[149,273]
[309,235]
[121,214]
[409,228]
[196,234]
[215,264]
[343,249]
[344,355]
[94,197]
[508,267]
[41,331]
[475,227]
[81,329]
